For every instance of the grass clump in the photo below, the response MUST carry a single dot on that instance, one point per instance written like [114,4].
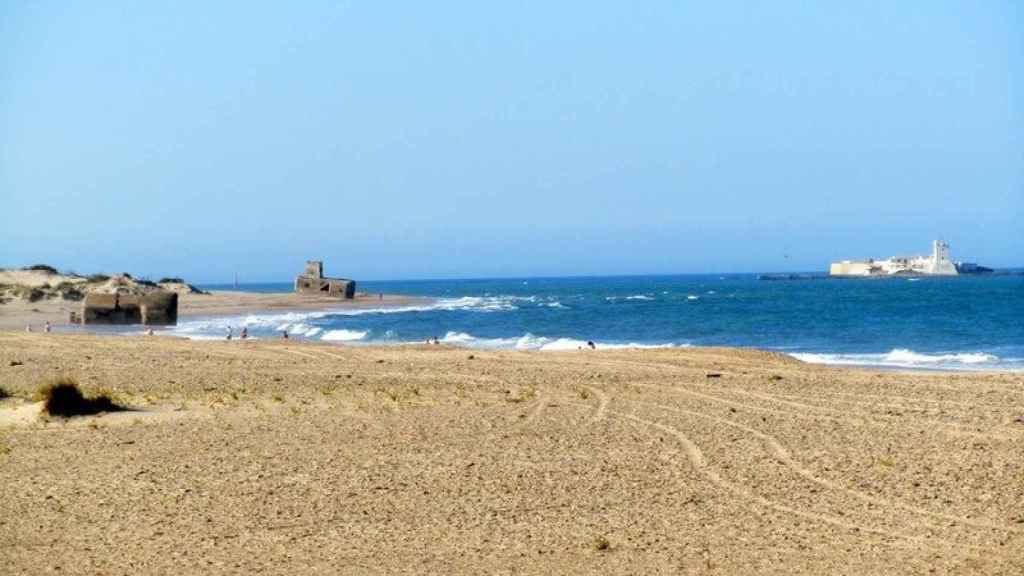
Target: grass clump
[601,544]
[41,268]
[170,280]
[62,397]
[3,393]
[30,293]
[98,278]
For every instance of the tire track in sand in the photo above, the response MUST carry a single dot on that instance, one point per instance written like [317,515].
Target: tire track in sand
[807,411]
[801,409]
[699,462]
[782,454]
[603,400]
[300,353]
[542,403]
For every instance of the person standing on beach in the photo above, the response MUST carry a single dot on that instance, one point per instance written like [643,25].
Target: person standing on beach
[229,332]
[47,327]
[245,332]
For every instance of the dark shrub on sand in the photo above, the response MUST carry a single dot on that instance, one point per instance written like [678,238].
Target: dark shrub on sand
[33,294]
[42,268]
[61,397]
[170,281]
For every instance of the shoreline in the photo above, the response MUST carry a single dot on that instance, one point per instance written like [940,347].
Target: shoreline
[227,303]
[15,315]
[230,303]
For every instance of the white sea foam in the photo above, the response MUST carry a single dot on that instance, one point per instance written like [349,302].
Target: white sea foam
[469,303]
[903,358]
[296,323]
[219,325]
[531,342]
[692,297]
[640,297]
[457,338]
[300,329]
[343,335]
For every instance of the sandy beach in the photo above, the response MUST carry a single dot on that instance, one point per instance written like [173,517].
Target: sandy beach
[16,314]
[288,457]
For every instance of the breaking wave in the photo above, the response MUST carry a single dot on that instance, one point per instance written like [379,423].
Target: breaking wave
[633,297]
[531,342]
[344,335]
[298,323]
[904,358]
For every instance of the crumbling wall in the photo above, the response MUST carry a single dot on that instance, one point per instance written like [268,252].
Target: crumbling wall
[312,281]
[159,308]
[155,308]
[325,286]
[314,269]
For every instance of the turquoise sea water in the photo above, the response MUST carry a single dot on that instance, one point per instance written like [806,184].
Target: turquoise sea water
[942,323]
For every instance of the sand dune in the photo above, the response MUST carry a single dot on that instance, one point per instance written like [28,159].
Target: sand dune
[285,457]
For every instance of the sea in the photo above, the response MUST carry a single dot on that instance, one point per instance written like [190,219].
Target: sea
[962,323]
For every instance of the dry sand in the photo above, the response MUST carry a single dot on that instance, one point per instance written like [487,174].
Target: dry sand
[293,458]
[16,314]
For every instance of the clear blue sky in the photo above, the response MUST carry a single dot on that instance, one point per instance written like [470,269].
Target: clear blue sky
[435,139]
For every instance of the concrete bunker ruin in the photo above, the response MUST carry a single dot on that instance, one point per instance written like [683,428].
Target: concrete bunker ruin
[312,281]
[153,309]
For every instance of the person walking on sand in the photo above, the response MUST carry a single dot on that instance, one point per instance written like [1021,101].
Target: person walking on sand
[47,327]
[28,327]
[229,332]
[284,334]
[245,332]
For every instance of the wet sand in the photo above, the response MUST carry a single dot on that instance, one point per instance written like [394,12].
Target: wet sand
[288,457]
[16,314]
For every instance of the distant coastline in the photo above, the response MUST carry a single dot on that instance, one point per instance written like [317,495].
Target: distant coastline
[52,298]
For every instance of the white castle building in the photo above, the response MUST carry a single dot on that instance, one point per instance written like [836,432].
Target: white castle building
[937,264]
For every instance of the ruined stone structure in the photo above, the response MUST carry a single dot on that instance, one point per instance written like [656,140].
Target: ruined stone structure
[155,309]
[312,281]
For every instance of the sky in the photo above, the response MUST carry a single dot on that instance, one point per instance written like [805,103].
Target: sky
[478,139]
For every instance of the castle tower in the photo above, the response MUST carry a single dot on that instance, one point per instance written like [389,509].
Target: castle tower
[314,269]
[941,264]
